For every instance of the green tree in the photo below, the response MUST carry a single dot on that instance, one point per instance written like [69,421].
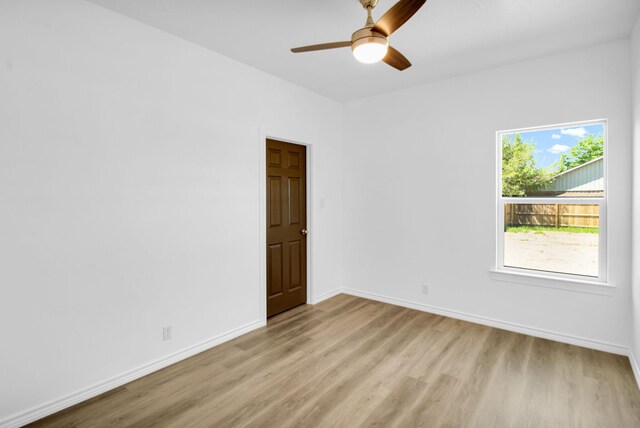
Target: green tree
[520,175]
[587,149]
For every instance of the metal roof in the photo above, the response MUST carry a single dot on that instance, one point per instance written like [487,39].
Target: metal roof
[586,177]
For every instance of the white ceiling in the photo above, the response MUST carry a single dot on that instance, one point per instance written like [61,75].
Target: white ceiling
[445,38]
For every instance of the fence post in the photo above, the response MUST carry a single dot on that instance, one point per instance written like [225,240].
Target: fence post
[557,216]
[512,214]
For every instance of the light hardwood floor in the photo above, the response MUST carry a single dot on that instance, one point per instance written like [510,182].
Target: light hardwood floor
[351,362]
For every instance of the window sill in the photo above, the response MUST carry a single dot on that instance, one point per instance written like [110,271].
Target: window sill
[569,284]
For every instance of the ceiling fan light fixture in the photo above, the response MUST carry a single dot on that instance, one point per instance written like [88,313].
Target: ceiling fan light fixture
[370,47]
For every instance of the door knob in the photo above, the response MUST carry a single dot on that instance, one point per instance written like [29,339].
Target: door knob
[304,232]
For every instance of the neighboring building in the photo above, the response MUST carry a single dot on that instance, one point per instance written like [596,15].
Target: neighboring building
[583,180]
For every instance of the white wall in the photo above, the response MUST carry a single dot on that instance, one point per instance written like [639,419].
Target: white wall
[420,190]
[635,261]
[129,194]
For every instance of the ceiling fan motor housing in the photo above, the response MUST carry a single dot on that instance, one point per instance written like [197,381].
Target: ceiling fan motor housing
[366,35]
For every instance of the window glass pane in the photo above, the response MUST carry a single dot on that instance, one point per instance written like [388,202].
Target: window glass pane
[560,238]
[561,162]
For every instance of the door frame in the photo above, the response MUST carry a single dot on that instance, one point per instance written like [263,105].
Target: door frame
[278,136]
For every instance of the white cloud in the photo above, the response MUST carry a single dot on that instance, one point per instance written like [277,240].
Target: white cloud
[558,148]
[556,136]
[575,132]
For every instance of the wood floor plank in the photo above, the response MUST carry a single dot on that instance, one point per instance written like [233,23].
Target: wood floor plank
[249,400]
[403,397]
[339,367]
[501,402]
[350,362]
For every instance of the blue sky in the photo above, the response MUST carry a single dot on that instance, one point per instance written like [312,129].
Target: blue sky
[550,144]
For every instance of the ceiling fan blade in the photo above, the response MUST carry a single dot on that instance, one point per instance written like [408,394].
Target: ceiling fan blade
[321,47]
[397,15]
[396,60]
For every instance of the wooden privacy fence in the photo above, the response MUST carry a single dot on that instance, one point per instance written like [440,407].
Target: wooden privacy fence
[551,215]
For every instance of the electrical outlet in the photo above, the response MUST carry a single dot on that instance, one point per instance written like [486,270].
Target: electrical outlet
[166,333]
[425,289]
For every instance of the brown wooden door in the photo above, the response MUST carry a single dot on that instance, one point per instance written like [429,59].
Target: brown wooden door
[286,226]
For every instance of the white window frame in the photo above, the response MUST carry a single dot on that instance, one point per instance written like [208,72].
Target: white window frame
[553,279]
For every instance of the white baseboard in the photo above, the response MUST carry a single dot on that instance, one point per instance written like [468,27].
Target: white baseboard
[504,325]
[51,407]
[326,296]
[635,368]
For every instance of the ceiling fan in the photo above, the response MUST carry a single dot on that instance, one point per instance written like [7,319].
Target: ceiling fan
[371,43]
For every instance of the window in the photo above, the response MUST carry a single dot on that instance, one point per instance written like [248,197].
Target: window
[552,201]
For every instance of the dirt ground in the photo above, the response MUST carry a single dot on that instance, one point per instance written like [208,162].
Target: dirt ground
[564,252]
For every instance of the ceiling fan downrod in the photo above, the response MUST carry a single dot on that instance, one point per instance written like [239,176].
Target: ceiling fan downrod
[369,5]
